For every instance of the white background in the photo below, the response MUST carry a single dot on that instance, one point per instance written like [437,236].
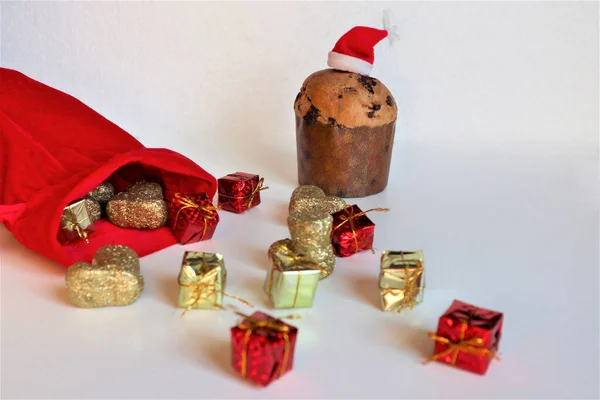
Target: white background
[494,176]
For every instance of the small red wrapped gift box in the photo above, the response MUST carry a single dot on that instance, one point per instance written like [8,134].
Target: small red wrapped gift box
[467,337]
[353,231]
[240,191]
[262,347]
[192,217]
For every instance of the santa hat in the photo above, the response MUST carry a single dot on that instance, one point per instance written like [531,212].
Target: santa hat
[353,52]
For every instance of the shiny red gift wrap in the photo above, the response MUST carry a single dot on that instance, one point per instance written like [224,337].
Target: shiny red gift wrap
[468,337]
[192,217]
[239,192]
[263,348]
[351,234]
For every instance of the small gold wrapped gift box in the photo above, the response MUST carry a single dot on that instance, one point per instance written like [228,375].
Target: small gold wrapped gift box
[402,279]
[76,222]
[292,281]
[202,280]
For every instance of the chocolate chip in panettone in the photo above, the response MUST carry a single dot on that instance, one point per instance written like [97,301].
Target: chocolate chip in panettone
[340,96]
[312,115]
[307,155]
[373,108]
[308,98]
[373,181]
[389,101]
[331,121]
[368,83]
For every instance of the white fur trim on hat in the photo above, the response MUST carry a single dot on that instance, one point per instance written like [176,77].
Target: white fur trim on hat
[347,63]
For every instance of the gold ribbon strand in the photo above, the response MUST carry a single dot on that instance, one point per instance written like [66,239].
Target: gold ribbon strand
[202,291]
[208,212]
[409,287]
[349,218]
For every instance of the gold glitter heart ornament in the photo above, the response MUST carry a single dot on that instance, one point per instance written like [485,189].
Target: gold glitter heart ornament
[312,198]
[140,207]
[310,224]
[112,279]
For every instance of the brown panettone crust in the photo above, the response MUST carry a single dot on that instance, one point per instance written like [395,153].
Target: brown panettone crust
[345,99]
[344,162]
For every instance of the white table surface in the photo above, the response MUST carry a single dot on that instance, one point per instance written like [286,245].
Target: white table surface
[511,230]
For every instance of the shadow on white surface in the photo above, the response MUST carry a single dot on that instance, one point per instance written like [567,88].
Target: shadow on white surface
[14,253]
[168,290]
[281,165]
[279,213]
[253,289]
[207,352]
[404,338]
[59,295]
[415,340]
[256,258]
[216,355]
[365,289]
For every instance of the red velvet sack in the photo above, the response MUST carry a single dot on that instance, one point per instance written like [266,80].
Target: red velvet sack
[54,150]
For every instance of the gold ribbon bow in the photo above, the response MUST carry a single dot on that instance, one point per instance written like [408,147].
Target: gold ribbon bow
[471,346]
[202,291]
[349,218]
[73,222]
[207,212]
[259,187]
[250,324]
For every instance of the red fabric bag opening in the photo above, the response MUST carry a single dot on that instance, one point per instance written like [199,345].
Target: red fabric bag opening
[54,150]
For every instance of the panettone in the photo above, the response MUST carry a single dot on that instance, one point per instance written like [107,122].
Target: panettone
[345,126]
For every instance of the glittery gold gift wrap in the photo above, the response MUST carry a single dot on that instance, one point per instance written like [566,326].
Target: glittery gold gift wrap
[292,280]
[76,222]
[112,279]
[139,207]
[102,193]
[401,280]
[202,280]
[311,198]
[311,236]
